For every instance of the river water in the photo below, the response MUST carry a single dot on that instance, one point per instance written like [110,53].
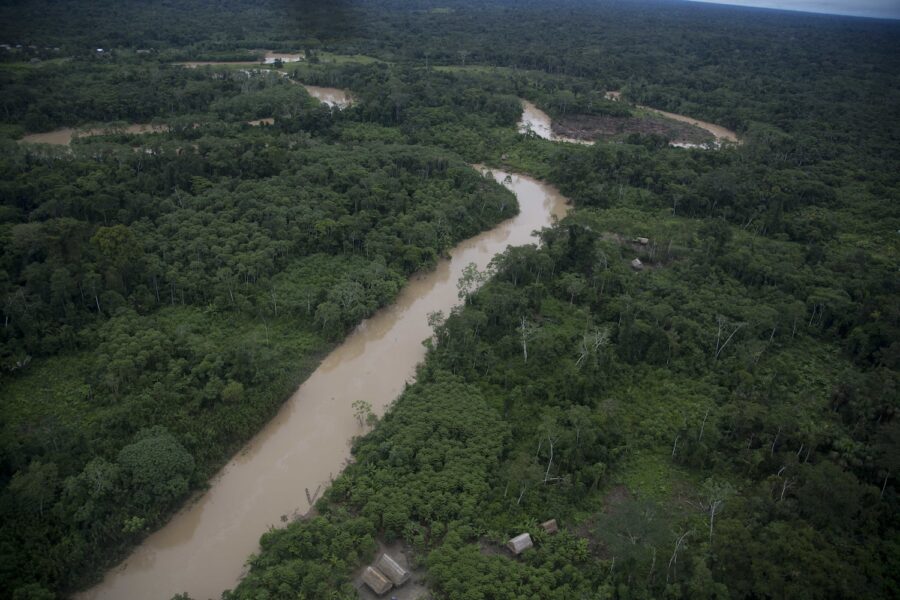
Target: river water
[64,136]
[721,133]
[203,548]
[330,96]
[271,57]
[536,121]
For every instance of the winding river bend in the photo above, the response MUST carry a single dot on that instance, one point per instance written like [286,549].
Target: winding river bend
[721,133]
[203,548]
[536,121]
[63,137]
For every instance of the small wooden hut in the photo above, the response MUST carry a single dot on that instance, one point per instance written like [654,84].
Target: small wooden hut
[519,544]
[376,580]
[387,565]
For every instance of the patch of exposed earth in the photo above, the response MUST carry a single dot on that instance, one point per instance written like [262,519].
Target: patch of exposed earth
[594,127]
[587,529]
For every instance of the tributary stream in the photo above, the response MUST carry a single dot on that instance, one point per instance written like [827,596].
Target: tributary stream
[203,548]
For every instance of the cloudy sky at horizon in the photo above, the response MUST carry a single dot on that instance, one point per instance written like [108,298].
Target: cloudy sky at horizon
[883,9]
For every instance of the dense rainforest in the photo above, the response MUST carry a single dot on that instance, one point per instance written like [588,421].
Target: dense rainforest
[720,424]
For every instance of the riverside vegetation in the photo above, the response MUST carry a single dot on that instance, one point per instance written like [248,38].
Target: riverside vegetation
[722,424]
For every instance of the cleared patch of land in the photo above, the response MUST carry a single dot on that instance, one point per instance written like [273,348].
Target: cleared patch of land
[599,127]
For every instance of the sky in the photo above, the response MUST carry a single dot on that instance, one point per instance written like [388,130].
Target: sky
[884,9]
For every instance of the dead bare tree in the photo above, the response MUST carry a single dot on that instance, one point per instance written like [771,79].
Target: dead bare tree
[550,432]
[715,494]
[591,343]
[786,484]
[722,323]
[703,425]
[527,331]
[673,561]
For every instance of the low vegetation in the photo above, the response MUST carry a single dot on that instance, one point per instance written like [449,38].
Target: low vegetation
[720,424]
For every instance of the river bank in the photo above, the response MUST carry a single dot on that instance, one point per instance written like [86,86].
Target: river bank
[65,135]
[203,548]
[681,131]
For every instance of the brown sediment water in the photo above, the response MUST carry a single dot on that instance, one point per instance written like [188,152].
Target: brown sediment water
[536,121]
[721,133]
[330,96]
[57,137]
[335,97]
[271,57]
[203,548]
[64,136]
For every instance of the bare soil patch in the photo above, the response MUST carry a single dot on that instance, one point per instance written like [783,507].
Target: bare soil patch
[615,497]
[488,548]
[594,127]
[587,529]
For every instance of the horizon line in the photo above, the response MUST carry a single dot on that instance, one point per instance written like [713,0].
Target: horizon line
[774,5]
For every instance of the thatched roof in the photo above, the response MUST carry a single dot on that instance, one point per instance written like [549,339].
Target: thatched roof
[376,580]
[392,570]
[520,543]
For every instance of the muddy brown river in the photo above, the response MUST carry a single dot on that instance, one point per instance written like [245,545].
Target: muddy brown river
[722,134]
[203,548]
[65,135]
[330,96]
[536,121]
[271,57]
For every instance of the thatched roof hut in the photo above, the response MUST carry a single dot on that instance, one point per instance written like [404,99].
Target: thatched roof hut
[376,580]
[520,543]
[392,570]
[550,526]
